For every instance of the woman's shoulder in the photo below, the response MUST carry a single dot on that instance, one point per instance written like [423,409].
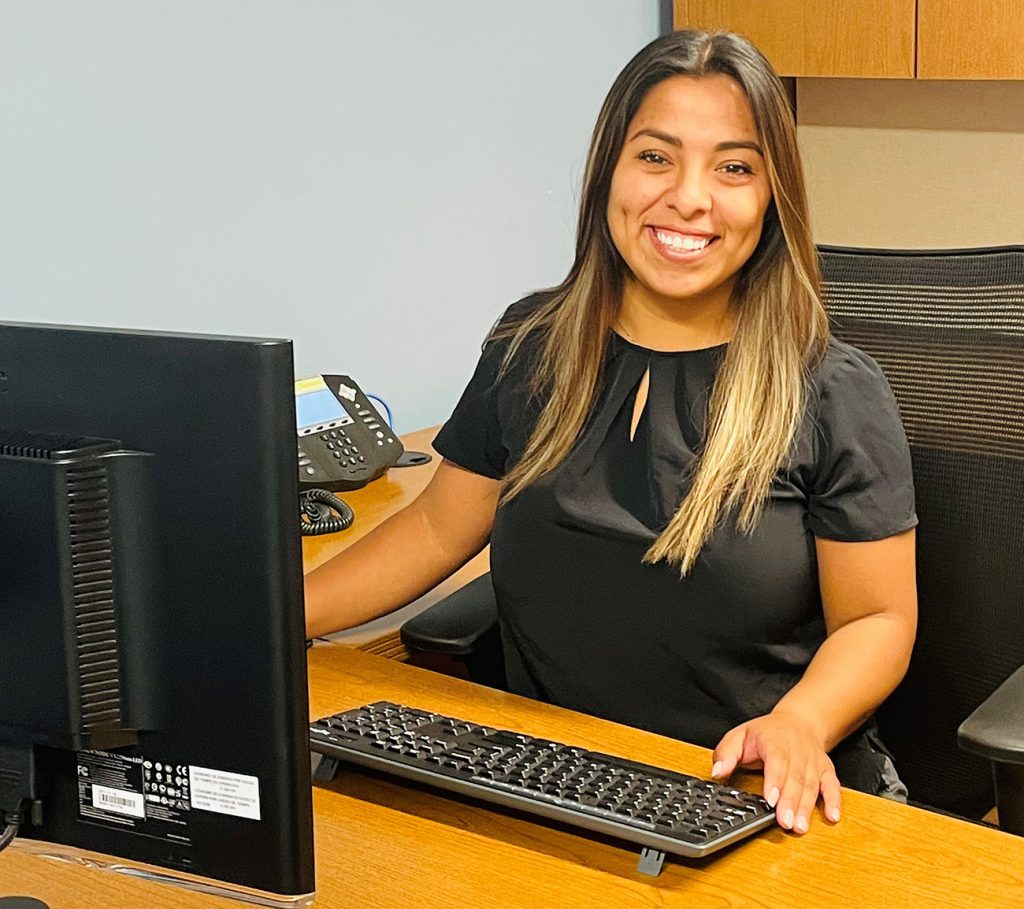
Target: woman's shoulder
[518,313]
[850,396]
[845,369]
[855,463]
[503,342]
[505,363]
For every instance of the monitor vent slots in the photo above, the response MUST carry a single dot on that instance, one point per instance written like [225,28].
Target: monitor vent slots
[93,593]
[21,448]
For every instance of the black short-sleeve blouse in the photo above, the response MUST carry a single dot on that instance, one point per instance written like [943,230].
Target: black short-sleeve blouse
[585,624]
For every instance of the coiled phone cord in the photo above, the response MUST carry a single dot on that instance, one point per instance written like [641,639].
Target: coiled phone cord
[321,511]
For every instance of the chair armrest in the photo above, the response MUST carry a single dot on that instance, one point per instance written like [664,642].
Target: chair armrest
[456,624]
[996,729]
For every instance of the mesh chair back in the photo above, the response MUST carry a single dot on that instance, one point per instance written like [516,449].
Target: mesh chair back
[947,328]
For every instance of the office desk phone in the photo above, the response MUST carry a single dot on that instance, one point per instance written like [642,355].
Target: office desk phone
[343,441]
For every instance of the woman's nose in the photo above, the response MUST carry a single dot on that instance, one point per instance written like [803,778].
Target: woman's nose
[691,194]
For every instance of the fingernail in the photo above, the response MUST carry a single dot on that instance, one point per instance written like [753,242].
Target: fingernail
[716,769]
[801,824]
[833,815]
[772,796]
[787,819]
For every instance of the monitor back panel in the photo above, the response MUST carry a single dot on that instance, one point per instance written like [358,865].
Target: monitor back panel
[220,787]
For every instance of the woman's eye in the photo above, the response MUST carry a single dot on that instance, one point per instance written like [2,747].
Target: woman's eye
[652,157]
[736,168]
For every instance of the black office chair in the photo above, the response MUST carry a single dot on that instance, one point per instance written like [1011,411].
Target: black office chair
[463,626]
[948,330]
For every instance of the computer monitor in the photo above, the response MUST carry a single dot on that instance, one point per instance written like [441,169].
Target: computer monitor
[155,674]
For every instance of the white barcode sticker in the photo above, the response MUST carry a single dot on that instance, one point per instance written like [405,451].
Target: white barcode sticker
[224,792]
[119,801]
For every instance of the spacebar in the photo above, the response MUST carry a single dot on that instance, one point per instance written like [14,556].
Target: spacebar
[568,804]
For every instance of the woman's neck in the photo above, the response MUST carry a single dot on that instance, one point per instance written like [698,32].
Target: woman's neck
[674,324]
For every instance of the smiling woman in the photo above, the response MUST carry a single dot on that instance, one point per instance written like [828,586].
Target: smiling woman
[699,505]
[684,122]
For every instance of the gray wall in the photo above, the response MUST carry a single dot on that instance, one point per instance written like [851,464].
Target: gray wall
[376,180]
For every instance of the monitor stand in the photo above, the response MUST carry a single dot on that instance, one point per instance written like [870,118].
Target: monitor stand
[73,856]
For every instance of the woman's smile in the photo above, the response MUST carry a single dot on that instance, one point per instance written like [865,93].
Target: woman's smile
[680,246]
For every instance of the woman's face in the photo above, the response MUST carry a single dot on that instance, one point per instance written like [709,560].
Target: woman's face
[689,193]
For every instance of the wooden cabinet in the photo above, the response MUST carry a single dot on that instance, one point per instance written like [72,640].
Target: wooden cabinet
[881,39]
[825,38]
[980,40]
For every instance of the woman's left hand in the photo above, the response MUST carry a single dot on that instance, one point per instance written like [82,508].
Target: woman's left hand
[796,767]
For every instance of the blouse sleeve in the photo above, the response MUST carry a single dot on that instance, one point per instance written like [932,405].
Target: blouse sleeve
[490,425]
[863,487]
[472,436]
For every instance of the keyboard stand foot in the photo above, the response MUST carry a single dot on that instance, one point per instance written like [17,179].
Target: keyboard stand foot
[651,861]
[326,770]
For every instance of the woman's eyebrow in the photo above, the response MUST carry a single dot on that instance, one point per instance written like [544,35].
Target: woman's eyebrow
[667,138]
[729,146]
[675,141]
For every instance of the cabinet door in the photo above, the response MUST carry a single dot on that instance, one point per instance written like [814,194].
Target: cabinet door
[872,38]
[982,39]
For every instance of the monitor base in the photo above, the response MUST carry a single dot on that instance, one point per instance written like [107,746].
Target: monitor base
[72,856]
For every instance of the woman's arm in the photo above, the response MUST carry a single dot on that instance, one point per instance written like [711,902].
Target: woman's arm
[415,549]
[869,596]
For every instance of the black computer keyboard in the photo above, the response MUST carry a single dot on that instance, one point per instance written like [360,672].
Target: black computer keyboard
[658,809]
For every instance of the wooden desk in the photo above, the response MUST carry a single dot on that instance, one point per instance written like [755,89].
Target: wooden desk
[373,504]
[386,844]
[382,843]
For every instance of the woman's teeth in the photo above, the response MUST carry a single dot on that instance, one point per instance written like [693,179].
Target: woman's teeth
[685,243]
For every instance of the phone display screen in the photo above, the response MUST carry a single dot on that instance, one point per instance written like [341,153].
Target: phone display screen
[317,408]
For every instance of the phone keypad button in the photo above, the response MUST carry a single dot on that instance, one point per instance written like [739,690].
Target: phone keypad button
[337,454]
[361,459]
[304,462]
[310,471]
